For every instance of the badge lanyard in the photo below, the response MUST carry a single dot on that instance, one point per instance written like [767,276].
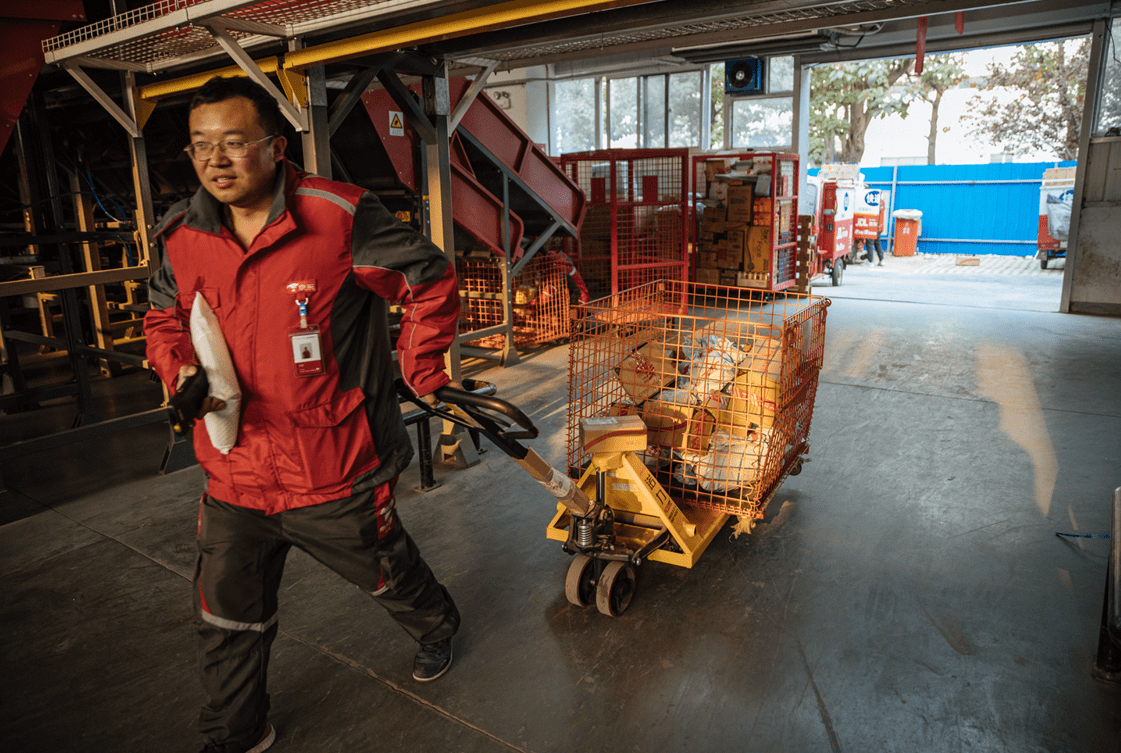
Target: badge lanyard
[307,353]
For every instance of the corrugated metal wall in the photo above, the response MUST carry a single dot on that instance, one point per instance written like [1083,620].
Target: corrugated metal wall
[968,209]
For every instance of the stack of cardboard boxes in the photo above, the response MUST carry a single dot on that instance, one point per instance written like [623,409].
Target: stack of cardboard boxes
[806,252]
[734,238]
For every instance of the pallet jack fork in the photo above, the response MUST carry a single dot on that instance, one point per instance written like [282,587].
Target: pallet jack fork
[615,518]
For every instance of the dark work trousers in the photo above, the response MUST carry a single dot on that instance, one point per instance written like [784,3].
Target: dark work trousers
[240,561]
[876,245]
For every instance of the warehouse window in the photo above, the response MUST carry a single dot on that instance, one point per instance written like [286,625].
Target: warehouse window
[574,116]
[685,109]
[1109,108]
[622,112]
[766,120]
[652,111]
[762,122]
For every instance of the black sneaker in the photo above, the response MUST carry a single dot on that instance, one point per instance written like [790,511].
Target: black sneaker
[432,660]
[268,737]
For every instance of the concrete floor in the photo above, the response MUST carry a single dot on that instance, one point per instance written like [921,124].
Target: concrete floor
[905,593]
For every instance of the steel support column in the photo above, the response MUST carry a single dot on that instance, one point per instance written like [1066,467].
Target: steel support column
[317,139]
[456,447]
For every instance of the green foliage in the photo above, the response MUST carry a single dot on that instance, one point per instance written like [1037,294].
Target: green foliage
[717,139]
[1039,102]
[845,98]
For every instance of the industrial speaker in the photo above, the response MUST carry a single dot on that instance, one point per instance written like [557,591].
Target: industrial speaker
[743,76]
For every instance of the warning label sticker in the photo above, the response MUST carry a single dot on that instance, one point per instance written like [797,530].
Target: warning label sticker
[396,123]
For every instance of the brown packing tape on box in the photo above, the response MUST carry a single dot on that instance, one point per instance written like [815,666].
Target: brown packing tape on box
[679,427]
[613,434]
[647,370]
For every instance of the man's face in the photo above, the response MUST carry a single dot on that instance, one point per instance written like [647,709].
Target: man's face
[242,182]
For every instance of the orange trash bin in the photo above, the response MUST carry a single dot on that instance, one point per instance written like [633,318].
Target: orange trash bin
[908,227]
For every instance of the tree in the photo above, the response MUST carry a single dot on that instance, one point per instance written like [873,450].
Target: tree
[846,98]
[1047,83]
[940,74]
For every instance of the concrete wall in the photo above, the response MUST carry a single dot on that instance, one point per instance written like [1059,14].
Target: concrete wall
[1095,284]
[523,94]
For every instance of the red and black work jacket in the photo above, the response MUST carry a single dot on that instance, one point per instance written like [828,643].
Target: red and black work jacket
[304,440]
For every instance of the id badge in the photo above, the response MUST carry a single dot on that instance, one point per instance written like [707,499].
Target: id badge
[307,355]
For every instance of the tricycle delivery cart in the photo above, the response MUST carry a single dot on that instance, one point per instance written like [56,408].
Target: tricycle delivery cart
[688,404]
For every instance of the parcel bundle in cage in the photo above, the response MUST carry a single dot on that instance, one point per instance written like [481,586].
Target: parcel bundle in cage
[707,408]
[723,379]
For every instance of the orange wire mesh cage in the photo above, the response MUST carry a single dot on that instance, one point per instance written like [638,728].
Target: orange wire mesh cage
[634,231]
[746,234]
[542,305]
[723,377]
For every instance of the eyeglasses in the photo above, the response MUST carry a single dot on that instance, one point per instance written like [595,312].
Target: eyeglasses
[204,150]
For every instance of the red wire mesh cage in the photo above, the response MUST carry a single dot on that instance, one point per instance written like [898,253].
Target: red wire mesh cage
[542,305]
[634,231]
[724,379]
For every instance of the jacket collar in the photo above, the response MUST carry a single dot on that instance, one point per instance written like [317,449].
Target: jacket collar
[204,212]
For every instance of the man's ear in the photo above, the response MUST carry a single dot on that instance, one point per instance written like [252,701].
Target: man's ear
[279,144]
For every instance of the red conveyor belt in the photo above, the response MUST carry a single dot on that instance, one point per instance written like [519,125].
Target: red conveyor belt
[474,208]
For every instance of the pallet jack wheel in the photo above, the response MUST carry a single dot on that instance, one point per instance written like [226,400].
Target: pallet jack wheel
[580,584]
[838,271]
[615,589]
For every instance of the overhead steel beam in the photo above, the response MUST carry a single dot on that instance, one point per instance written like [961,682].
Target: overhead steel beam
[404,99]
[350,97]
[468,98]
[671,27]
[475,21]
[296,116]
[102,98]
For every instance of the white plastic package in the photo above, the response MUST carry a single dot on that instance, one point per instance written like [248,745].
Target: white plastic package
[714,364]
[214,356]
[732,462]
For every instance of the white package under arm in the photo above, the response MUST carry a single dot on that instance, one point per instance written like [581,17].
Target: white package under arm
[214,355]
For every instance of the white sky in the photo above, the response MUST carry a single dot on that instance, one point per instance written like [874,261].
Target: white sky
[895,137]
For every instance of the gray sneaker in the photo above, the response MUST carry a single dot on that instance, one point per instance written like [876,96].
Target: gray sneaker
[432,660]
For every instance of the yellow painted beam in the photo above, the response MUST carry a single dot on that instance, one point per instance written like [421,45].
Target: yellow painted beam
[160,89]
[503,15]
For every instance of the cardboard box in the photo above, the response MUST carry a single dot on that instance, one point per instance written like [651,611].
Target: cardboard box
[707,260]
[757,254]
[680,427]
[613,434]
[647,370]
[718,190]
[714,218]
[752,280]
[740,203]
[728,277]
[761,211]
[755,394]
[709,276]
[754,399]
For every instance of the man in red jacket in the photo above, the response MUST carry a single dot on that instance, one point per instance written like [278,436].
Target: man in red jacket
[298,271]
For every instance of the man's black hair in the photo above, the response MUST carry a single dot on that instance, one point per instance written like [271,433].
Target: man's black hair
[220,89]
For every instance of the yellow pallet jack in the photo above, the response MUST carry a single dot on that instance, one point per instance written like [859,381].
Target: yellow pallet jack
[613,519]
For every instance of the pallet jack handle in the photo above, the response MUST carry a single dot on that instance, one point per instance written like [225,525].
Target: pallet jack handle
[503,423]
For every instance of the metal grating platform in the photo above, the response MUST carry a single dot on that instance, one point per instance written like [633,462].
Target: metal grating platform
[163,34]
